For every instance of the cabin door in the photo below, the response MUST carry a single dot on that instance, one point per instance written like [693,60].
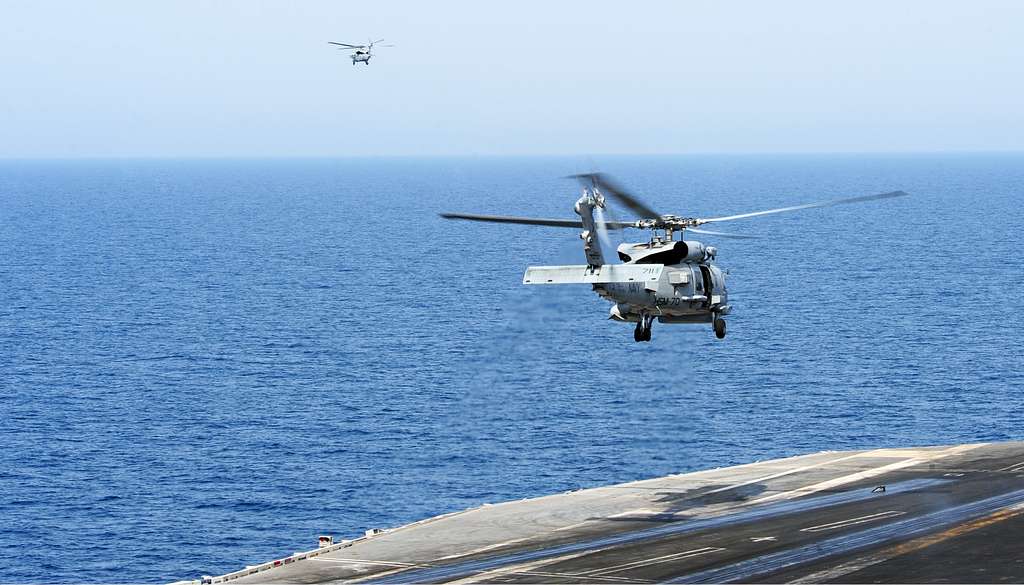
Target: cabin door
[709,290]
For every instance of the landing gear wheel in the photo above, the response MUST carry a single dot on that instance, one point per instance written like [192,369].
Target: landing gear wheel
[643,329]
[720,328]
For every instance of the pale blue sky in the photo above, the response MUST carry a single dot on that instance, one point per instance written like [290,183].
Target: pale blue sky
[247,78]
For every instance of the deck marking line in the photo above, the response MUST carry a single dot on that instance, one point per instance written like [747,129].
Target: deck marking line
[485,548]
[910,546]
[853,521]
[1015,467]
[783,473]
[523,568]
[652,561]
[909,528]
[838,481]
[752,514]
[573,576]
[796,492]
[362,562]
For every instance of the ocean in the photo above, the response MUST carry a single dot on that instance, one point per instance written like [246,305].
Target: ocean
[208,363]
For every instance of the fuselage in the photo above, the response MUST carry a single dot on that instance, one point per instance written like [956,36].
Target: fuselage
[361,56]
[690,288]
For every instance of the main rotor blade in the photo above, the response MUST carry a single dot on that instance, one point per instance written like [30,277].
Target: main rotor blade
[572,223]
[346,45]
[721,234]
[614,219]
[828,203]
[608,186]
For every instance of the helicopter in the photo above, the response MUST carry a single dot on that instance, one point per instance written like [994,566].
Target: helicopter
[362,52]
[673,280]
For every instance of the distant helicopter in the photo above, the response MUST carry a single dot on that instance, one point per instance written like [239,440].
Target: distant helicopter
[362,52]
[672,280]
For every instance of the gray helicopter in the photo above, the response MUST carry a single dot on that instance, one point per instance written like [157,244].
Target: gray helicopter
[362,53]
[665,278]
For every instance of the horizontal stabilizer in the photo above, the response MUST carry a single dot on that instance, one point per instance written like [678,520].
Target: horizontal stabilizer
[583,274]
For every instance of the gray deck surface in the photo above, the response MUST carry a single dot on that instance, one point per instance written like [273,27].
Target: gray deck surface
[948,514]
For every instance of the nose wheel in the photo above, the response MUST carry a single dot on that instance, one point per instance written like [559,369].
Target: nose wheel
[643,329]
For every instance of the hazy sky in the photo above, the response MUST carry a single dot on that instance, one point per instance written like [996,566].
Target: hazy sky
[242,78]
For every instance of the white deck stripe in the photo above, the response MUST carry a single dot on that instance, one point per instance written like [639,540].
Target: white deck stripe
[1015,467]
[647,511]
[652,561]
[521,568]
[838,481]
[362,562]
[573,576]
[855,565]
[784,473]
[853,521]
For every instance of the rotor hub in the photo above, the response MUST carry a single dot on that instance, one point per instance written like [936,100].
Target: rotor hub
[668,222]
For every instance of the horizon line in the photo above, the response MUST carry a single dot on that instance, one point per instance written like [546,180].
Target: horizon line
[214,157]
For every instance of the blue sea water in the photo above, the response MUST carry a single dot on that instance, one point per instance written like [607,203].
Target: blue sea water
[206,364]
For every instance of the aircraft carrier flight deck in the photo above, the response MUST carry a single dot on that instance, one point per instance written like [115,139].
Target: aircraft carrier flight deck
[934,514]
